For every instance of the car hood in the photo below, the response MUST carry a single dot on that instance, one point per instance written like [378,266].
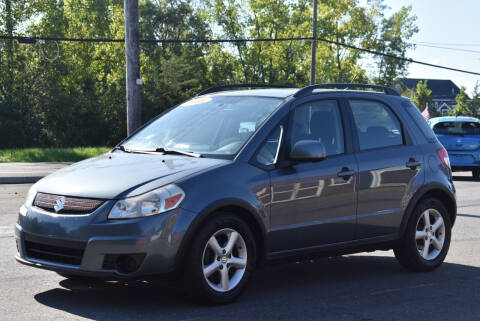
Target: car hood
[115,175]
[459,142]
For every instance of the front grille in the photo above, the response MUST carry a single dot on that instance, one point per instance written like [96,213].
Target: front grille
[69,253]
[71,205]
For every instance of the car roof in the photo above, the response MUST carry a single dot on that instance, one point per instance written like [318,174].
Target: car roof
[437,120]
[283,92]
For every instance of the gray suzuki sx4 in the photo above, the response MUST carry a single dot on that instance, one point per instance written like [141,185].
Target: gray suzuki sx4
[233,179]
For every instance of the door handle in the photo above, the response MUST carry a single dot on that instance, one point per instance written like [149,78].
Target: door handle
[412,163]
[346,172]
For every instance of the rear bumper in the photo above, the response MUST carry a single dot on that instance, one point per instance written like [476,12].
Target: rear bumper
[464,160]
[94,246]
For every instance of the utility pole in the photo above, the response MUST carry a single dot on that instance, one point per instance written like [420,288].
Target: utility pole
[132,58]
[314,44]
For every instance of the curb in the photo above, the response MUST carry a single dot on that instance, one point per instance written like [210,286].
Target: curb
[20,180]
[27,173]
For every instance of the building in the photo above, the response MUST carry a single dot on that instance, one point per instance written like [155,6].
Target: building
[443,92]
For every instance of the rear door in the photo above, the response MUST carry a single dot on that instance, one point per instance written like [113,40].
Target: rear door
[389,164]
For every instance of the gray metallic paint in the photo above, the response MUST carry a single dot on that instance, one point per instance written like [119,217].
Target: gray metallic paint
[293,208]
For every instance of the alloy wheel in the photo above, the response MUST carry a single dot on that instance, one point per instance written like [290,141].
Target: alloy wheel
[224,260]
[430,234]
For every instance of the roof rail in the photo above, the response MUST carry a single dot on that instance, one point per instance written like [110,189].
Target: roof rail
[232,86]
[305,91]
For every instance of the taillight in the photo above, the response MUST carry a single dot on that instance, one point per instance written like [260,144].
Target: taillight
[443,155]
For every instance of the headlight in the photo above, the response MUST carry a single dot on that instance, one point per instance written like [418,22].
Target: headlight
[155,202]
[32,192]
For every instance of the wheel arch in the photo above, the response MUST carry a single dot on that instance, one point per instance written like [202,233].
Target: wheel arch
[233,206]
[432,190]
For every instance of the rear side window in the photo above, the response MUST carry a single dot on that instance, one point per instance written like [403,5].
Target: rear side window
[419,120]
[377,126]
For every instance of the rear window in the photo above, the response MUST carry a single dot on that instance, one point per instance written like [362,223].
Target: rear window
[457,128]
[419,120]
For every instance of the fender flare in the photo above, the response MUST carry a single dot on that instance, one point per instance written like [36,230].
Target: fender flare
[432,188]
[208,211]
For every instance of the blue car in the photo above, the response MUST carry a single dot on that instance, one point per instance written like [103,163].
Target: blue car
[461,138]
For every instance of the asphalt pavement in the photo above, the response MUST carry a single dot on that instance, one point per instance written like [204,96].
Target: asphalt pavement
[366,286]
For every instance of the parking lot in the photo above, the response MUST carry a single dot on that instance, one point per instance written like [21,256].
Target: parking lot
[366,286]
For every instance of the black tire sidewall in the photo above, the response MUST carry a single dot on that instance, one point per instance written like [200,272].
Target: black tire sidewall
[476,174]
[410,242]
[197,287]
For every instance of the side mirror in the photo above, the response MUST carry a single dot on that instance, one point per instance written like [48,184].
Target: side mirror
[308,151]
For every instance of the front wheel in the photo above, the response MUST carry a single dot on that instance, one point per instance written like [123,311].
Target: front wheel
[220,261]
[427,237]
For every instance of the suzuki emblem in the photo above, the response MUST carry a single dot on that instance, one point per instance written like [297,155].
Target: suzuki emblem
[60,204]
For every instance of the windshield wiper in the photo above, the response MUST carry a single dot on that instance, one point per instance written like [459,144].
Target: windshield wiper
[177,152]
[126,150]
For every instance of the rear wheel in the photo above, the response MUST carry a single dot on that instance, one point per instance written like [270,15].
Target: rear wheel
[476,173]
[427,238]
[220,261]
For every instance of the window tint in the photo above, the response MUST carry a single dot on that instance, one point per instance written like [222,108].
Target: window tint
[266,154]
[319,120]
[376,124]
[419,120]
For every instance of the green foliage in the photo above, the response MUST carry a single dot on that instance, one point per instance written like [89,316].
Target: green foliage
[464,106]
[394,33]
[421,97]
[50,154]
[79,99]
[475,102]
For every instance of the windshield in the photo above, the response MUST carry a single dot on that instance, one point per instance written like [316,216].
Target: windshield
[217,125]
[457,128]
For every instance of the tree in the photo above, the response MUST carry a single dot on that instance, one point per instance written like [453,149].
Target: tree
[475,102]
[421,97]
[463,105]
[395,31]
[79,98]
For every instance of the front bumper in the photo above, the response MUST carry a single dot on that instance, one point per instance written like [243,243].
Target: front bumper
[91,244]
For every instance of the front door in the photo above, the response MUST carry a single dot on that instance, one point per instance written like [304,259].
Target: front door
[313,203]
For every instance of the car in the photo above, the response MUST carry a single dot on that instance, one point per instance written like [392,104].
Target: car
[243,176]
[461,137]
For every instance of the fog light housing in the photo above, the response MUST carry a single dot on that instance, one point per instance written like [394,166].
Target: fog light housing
[123,263]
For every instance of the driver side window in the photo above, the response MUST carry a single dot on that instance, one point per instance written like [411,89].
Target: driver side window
[319,120]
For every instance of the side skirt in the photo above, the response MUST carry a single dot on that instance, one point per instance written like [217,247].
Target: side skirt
[382,243]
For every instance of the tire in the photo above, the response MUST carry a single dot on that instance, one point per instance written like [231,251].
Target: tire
[411,253]
[476,174]
[237,265]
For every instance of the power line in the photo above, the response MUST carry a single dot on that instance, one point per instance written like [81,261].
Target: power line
[33,39]
[185,41]
[378,53]
[446,48]
[449,44]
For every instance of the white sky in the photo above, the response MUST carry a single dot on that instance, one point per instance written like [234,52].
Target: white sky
[448,22]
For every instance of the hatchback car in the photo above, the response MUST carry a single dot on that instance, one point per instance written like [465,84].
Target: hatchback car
[230,180]
[461,137]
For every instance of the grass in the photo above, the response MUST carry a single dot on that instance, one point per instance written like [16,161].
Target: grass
[73,154]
